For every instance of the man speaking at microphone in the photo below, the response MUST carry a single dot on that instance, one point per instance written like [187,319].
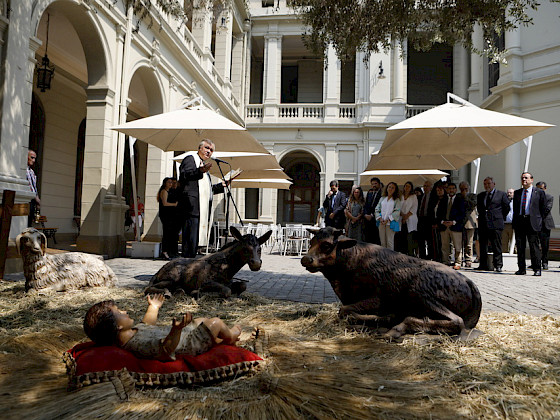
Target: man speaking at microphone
[195,198]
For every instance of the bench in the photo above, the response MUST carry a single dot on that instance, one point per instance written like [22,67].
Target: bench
[49,232]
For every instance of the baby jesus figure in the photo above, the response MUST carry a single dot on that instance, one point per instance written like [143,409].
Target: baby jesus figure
[105,324]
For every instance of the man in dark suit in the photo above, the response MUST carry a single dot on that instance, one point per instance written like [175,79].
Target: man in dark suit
[451,214]
[372,199]
[493,207]
[548,224]
[195,197]
[425,246]
[334,204]
[528,211]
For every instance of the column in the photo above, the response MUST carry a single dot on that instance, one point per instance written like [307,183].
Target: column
[331,166]
[223,44]
[102,230]
[461,71]
[158,166]
[513,165]
[202,33]
[513,72]
[267,197]
[399,74]
[477,61]
[331,85]
[237,65]
[272,76]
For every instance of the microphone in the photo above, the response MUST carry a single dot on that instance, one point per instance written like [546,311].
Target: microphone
[219,160]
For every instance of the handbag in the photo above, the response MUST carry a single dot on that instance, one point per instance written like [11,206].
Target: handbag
[395,226]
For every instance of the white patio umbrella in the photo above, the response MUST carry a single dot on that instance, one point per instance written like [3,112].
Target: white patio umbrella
[183,129]
[240,160]
[460,129]
[262,173]
[400,176]
[450,161]
[278,184]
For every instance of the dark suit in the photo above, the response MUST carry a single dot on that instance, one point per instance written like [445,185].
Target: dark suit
[189,203]
[372,231]
[424,231]
[491,217]
[528,226]
[454,233]
[548,225]
[336,207]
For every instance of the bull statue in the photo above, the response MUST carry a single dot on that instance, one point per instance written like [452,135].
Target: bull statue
[212,273]
[406,294]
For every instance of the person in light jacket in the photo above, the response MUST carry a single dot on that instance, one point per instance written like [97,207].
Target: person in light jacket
[388,215]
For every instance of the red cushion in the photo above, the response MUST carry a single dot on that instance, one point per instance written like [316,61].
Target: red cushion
[86,361]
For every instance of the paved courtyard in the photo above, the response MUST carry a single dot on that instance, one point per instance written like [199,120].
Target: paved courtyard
[283,277]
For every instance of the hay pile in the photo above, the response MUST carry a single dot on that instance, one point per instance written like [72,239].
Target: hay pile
[317,367]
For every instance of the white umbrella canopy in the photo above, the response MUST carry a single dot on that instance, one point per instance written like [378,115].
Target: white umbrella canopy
[240,160]
[417,177]
[183,129]
[459,129]
[262,174]
[451,161]
[278,184]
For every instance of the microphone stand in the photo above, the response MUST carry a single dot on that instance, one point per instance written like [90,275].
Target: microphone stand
[229,197]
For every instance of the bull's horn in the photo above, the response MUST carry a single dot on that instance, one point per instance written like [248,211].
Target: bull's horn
[313,229]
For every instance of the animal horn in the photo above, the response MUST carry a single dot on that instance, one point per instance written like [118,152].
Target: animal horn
[18,240]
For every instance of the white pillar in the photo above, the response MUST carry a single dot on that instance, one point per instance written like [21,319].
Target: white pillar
[513,165]
[331,166]
[158,167]
[399,74]
[331,85]
[513,71]
[237,65]
[202,33]
[477,74]
[272,76]
[461,71]
[223,44]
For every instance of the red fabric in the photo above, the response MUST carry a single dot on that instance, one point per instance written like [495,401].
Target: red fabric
[92,358]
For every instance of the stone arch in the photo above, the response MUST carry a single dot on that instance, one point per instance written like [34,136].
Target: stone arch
[90,33]
[318,157]
[300,203]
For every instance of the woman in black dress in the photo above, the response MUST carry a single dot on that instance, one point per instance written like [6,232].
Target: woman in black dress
[167,215]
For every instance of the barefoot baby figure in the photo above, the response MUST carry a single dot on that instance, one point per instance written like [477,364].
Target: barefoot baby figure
[106,324]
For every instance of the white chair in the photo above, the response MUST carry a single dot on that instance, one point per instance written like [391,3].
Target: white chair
[295,238]
[277,238]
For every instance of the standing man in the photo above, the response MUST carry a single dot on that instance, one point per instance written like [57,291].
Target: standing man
[334,204]
[195,199]
[451,214]
[528,210]
[470,221]
[507,234]
[548,224]
[372,199]
[493,207]
[425,225]
[35,203]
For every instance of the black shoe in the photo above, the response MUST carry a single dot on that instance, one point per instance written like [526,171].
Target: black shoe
[498,269]
[537,273]
[545,266]
[520,272]
[165,256]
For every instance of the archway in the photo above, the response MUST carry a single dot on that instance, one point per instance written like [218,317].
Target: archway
[299,204]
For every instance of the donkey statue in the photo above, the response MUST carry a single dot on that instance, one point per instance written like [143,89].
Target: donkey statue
[212,273]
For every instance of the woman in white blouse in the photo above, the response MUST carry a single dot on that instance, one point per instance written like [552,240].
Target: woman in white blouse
[388,215]
[409,220]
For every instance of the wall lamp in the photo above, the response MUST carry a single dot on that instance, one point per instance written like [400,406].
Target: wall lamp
[380,75]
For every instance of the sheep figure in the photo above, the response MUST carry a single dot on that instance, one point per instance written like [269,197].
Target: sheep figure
[60,272]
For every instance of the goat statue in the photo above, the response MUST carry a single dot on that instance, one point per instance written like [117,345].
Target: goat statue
[60,272]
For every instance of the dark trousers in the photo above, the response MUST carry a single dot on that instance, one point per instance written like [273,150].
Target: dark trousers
[544,239]
[169,239]
[32,211]
[524,232]
[424,236]
[494,238]
[372,232]
[190,237]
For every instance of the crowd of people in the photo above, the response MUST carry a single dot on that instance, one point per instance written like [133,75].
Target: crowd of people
[448,224]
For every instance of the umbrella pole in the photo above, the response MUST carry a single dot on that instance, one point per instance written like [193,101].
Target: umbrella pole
[229,197]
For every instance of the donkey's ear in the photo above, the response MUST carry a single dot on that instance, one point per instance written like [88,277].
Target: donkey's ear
[235,233]
[265,237]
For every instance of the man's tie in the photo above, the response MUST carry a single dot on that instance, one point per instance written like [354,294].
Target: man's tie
[449,208]
[488,199]
[523,202]
[423,206]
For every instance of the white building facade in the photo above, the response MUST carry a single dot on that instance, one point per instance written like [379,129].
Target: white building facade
[322,118]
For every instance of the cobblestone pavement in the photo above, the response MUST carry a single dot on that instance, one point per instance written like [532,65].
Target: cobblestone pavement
[283,277]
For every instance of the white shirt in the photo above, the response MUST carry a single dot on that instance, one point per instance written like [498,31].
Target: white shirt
[411,205]
[387,207]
